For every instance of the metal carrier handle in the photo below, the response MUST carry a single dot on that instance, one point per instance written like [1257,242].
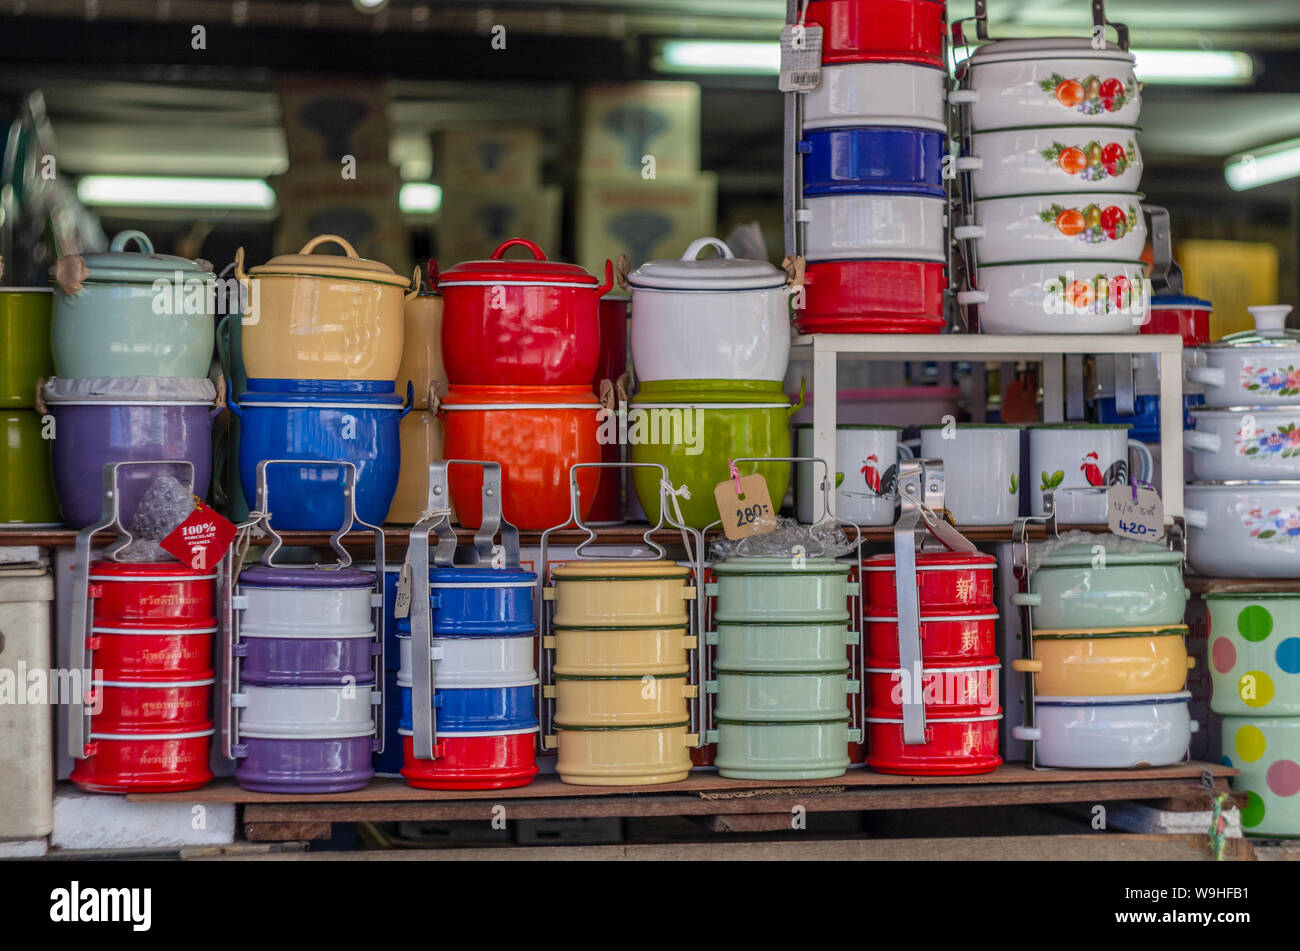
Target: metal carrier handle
[81,654]
[1020,568]
[981,19]
[1166,275]
[693,541]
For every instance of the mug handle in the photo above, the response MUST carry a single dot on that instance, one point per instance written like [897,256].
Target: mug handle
[905,450]
[1144,454]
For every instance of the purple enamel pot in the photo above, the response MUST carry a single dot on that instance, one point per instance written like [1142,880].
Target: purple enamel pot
[305,765]
[295,661]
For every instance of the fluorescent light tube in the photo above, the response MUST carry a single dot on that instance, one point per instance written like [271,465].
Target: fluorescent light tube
[1185,67]
[155,191]
[1273,163]
[719,56]
[419,198]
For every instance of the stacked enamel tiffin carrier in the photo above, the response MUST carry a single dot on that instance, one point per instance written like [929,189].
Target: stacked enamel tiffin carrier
[303,688]
[26,494]
[869,192]
[521,345]
[1243,497]
[321,345]
[710,349]
[467,682]
[930,630]
[132,336]
[142,648]
[1254,652]
[1051,228]
[1107,651]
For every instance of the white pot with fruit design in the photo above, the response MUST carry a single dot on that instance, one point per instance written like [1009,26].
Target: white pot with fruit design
[1061,297]
[1103,226]
[1056,159]
[1243,529]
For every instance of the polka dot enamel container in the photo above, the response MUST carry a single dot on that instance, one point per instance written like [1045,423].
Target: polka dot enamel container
[1267,752]
[1254,654]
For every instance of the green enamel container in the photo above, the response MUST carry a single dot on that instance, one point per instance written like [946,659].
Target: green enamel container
[1267,752]
[781,645]
[781,589]
[1074,588]
[1254,654]
[781,697]
[24,344]
[783,751]
[26,486]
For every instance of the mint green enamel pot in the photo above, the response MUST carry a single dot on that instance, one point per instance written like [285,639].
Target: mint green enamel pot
[1254,653]
[781,589]
[783,751]
[1076,587]
[121,313]
[26,486]
[1266,750]
[777,646]
[785,697]
[24,344]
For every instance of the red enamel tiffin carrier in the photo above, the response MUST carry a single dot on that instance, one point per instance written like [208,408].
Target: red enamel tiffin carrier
[931,673]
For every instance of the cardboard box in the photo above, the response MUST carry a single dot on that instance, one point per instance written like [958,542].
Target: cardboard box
[317,200]
[328,118]
[644,219]
[474,221]
[485,158]
[623,124]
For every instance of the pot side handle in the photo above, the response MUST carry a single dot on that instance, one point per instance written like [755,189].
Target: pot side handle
[1023,665]
[320,239]
[1210,376]
[963,97]
[607,285]
[1027,599]
[970,163]
[1027,734]
[803,393]
[1191,663]
[1201,442]
[1197,518]
[968,232]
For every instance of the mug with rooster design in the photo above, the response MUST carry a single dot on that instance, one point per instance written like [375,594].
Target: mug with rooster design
[1079,462]
[866,492]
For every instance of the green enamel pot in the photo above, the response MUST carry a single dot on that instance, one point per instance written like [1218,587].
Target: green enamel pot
[783,751]
[1267,752]
[781,589]
[1254,654]
[781,646]
[1075,588]
[26,486]
[24,344]
[781,697]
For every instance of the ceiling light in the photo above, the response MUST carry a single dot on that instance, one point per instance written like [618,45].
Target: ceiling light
[1274,163]
[165,192]
[1185,67]
[419,198]
[369,6]
[718,56]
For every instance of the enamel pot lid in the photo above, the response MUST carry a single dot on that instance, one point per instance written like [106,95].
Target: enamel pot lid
[349,265]
[537,270]
[118,265]
[726,272]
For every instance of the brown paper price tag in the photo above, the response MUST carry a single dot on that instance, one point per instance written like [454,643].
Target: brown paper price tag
[747,512]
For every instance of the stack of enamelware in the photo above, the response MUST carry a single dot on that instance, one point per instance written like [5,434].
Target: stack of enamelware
[872,143]
[321,345]
[1255,666]
[26,495]
[1052,224]
[521,344]
[1243,494]
[782,675]
[388,762]
[1108,656]
[621,632]
[710,349]
[132,336]
[953,677]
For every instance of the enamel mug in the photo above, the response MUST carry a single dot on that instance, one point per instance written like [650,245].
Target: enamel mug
[984,460]
[1080,461]
[867,495]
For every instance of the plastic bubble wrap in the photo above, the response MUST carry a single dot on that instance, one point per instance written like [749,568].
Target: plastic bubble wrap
[164,505]
[1110,542]
[826,539]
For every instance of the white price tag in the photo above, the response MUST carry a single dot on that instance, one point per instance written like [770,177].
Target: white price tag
[801,57]
[1135,511]
[402,605]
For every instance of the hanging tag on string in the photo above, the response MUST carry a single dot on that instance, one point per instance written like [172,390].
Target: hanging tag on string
[202,539]
[1135,511]
[402,603]
[744,505]
[801,57]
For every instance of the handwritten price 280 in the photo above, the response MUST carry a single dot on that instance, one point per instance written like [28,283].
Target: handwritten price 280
[751,514]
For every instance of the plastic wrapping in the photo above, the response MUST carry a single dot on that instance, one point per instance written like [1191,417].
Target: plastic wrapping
[1108,541]
[826,539]
[165,504]
[157,389]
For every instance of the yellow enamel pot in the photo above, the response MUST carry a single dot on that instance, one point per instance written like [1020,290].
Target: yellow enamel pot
[637,700]
[1107,662]
[615,651]
[421,438]
[623,756]
[323,316]
[422,345]
[621,594]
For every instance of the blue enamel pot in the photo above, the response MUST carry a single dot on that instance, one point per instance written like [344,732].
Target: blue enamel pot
[881,160]
[478,709]
[1146,414]
[359,428]
[479,601]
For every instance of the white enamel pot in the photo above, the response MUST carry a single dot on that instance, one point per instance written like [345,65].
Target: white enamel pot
[1244,443]
[1013,84]
[1110,732]
[985,464]
[878,94]
[1243,529]
[1059,226]
[306,712]
[855,226]
[306,612]
[1060,297]
[475,661]
[1256,368]
[1059,159]
[718,318]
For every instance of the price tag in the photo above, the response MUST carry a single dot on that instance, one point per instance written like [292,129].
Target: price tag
[201,540]
[801,57]
[402,603]
[747,512]
[1135,511]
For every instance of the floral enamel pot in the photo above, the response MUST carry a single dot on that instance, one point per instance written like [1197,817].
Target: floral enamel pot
[1060,226]
[956,746]
[1062,297]
[1108,661]
[1244,443]
[1256,368]
[1074,587]
[781,646]
[781,696]
[24,343]
[716,318]
[1266,751]
[1079,462]
[775,589]
[1243,529]
[1063,159]
[849,226]
[783,751]
[123,313]
[622,594]
[145,762]
[1110,732]
[1254,653]
[874,159]
[1015,84]
[987,456]
[878,94]
[624,756]
[620,651]
[26,492]
[907,31]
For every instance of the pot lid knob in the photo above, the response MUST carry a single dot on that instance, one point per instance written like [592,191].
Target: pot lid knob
[1270,319]
[699,244]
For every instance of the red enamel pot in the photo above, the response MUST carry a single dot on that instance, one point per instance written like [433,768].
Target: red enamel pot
[489,761]
[873,297]
[521,322]
[158,762]
[947,583]
[909,31]
[608,506]
[963,637]
[152,706]
[150,591]
[1187,316]
[955,747]
[154,650]
[951,690]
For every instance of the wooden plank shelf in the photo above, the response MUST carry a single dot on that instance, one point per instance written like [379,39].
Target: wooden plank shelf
[1203,586]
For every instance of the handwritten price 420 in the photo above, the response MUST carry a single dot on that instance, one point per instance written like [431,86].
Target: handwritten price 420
[1135,528]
